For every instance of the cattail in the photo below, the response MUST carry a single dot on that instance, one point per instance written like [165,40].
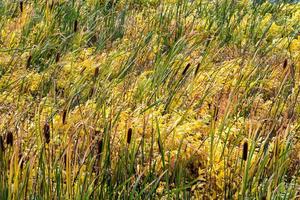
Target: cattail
[75,25]
[129,134]
[29,61]
[197,69]
[285,63]
[57,57]
[100,144]
[92,91]
[64,116]
[9,138]
[51,5]
[209,106]
[245,150]
[96,73]
[1,144]
[47,132]
[186,68]
[21,6]
[65,160]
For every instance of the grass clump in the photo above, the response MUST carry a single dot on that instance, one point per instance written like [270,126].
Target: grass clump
[149,99]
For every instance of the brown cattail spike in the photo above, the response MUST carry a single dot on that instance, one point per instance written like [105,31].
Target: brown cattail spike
[51,5]
[75,25]
[57,57]
[9,138]
[96,73]
[285,63]
[186,68]
[47,132]
[64,116]
[245,150]
[28,61]
[21,6]
[92,91]
[197,69]
[129,134]
[1,144]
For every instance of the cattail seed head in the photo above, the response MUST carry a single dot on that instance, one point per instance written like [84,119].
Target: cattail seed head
[51,5]
[92,91]
[47,132]
[129,134]
[96,73]
[75,25]
[65,160]
[186,68]
[285,63]
[57,57]
[99,146]
[9,138]
[29,61]
[1,144]
[64,116]
[245,150]
[21,6]
[197,69]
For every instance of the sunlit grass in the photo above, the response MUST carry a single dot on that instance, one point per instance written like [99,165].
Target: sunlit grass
[149,100]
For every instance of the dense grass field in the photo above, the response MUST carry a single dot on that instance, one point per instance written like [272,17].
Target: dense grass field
[149,99]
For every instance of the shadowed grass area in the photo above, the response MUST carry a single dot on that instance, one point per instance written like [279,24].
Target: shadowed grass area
[136,99]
